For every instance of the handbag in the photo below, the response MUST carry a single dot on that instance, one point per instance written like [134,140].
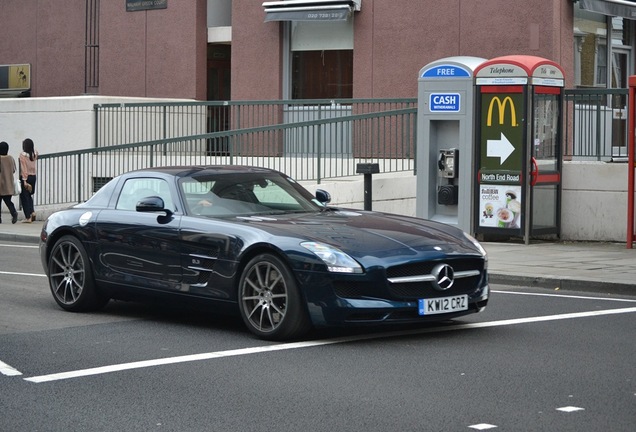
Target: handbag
[16,186]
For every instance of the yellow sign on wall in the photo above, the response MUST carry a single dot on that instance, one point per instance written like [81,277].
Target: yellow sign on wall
[15,77]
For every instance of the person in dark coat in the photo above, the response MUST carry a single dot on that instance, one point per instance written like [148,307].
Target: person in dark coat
[7,171]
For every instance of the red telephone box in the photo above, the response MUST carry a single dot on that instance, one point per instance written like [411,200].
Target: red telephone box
[631,162]
[518,146]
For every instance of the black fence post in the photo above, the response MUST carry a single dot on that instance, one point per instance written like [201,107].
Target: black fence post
[368,169]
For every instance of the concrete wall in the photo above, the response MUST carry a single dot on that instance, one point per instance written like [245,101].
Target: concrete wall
[54,124]
[594,204]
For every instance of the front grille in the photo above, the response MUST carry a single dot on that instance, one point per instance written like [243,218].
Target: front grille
[417,290]
[426,267]
[352,290]
[409,291]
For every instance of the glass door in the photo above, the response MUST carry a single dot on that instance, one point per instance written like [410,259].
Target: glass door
[618,104]
[545,161]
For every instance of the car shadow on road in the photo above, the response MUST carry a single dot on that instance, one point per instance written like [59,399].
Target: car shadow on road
[182,315]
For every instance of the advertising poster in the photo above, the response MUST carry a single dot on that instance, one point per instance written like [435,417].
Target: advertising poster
[500,206]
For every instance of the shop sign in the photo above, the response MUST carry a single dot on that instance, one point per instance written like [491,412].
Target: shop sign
[137,5]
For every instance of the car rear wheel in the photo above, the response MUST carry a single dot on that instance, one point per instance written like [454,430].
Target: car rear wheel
[269,300]
[71,277]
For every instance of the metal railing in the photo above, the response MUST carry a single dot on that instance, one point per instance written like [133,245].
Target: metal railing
[133,123]
[595,124]
[308,140]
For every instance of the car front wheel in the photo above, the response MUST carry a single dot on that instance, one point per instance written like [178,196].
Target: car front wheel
[269,300]
[71,278]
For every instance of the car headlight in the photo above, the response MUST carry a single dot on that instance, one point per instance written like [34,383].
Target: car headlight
[479,247]
[336,260]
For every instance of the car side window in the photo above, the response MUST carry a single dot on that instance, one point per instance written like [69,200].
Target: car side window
[135,190]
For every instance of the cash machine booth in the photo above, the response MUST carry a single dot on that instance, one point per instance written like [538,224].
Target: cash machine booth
[518,117]
[445,136]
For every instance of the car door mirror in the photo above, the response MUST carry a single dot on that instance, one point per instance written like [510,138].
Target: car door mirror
[152,204]
[323,196]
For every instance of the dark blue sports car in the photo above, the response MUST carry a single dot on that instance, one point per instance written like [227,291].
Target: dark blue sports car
[253,241]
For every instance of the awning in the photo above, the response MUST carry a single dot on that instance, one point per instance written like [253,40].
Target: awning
[618,8]
[317,10]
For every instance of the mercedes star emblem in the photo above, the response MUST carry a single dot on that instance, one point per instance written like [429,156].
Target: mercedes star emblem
[444,276]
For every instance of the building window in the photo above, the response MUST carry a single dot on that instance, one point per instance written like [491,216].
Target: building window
[321,60]
[590,31]
[599,38]
[601,63]
[322,74]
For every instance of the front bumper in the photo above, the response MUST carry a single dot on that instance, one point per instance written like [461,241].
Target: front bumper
[371,301]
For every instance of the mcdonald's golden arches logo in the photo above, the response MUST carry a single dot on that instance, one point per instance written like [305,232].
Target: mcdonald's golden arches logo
[501,106]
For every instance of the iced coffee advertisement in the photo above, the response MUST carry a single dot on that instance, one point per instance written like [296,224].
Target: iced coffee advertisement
[500,206]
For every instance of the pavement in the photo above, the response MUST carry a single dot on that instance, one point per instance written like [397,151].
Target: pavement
[598,267]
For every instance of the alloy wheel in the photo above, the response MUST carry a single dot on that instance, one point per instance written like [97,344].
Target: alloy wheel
[264,296]
[68,273]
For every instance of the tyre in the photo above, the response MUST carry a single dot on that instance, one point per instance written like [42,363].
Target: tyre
[71,277]
[269,300]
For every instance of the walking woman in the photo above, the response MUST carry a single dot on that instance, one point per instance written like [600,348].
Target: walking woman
[7,170]
[28,157]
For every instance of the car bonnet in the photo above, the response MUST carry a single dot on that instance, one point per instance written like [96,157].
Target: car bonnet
[364,234]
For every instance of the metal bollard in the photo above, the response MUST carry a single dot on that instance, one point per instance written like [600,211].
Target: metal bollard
[368,169]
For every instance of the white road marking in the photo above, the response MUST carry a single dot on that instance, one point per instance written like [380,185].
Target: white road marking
[19,246]
[22,274]
[482,426]
[570,409]
[564,296]
[18,273]
[309,344]
[5,369]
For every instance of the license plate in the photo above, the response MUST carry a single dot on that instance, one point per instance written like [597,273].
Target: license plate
[443,305]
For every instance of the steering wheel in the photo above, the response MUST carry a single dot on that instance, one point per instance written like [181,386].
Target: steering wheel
[199,208]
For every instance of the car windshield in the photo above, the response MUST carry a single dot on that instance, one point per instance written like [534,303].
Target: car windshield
[245,194]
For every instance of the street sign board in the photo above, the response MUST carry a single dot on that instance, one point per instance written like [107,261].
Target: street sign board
[501,157]
[501,143]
